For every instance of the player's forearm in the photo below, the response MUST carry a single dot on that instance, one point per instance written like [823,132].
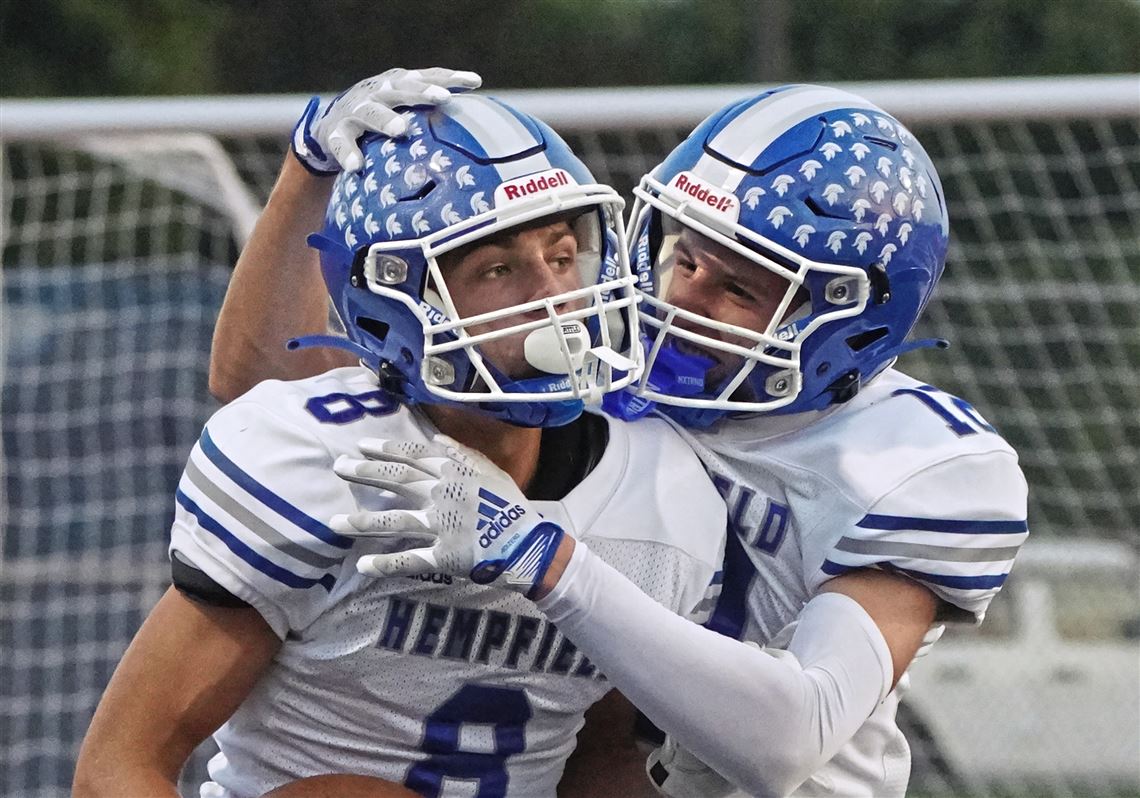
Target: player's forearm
[276,293]
[123,754]
[188,669]
[131,748]
[119,778]
[766,722]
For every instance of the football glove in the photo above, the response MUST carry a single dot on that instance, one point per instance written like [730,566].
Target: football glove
[467,516]
[676,773]
[325,143]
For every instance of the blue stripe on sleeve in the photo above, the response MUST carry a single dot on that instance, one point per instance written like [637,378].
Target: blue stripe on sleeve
[959,582]
[269,498]
[834,569]
[902,522]
[254,559]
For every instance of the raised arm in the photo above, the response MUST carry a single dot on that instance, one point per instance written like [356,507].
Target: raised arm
[276,292]
[187,670]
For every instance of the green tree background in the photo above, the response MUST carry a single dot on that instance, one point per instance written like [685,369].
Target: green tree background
[62,48]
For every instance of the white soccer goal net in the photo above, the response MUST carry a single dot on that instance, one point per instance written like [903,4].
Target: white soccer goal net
[121,220]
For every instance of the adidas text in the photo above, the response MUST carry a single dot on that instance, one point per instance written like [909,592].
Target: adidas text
[499,524]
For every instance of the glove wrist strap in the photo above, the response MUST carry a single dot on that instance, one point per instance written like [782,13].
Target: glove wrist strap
[304,144]
[532,565]
[527,564]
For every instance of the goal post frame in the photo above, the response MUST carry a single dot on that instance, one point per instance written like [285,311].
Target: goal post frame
[914,102]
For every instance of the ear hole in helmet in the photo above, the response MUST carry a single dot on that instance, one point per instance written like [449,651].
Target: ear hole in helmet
[880,283]
[865,339]
[818,210]
[374,327]
[890,145]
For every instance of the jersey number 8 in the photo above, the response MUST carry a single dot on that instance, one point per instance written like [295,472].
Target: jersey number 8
[502,711]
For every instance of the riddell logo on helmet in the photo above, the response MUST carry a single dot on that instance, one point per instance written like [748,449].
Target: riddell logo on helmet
[717,200]
[523,187]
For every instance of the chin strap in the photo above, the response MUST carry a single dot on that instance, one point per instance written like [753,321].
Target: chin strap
[334,342]
[674,373]
[849,384]
[626,406]
[922,343]
[677,374]
[532,414]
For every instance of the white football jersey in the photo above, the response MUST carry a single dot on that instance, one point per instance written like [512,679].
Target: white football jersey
[904,478]
[450,687]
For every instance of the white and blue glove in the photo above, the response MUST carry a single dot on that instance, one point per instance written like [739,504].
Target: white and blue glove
[325,142]
[467,516]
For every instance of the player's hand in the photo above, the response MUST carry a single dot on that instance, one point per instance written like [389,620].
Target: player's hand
[469,517]
[676,773]
[326,142]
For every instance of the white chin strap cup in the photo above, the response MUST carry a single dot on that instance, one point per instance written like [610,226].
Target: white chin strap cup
[567,351]
[543,348]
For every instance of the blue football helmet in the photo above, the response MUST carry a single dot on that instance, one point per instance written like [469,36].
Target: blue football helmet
[820,188]
[463,174]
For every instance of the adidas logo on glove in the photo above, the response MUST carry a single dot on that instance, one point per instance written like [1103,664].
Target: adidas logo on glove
[497,515]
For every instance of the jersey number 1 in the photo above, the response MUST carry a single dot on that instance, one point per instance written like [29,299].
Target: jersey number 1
[502,712]
[959,415]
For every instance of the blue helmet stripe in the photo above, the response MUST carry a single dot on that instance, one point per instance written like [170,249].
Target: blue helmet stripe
[500,134]
[756,128]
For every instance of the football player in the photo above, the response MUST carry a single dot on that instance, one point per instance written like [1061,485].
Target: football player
[486,294]
[785,251]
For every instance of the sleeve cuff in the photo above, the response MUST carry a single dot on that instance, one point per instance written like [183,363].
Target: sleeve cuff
[570,592]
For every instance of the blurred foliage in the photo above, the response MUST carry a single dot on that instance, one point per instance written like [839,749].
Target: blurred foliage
[83,48]
[115,47]
[885,39]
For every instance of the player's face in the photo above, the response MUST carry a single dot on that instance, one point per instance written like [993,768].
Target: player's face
[519,266]
[713,281]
